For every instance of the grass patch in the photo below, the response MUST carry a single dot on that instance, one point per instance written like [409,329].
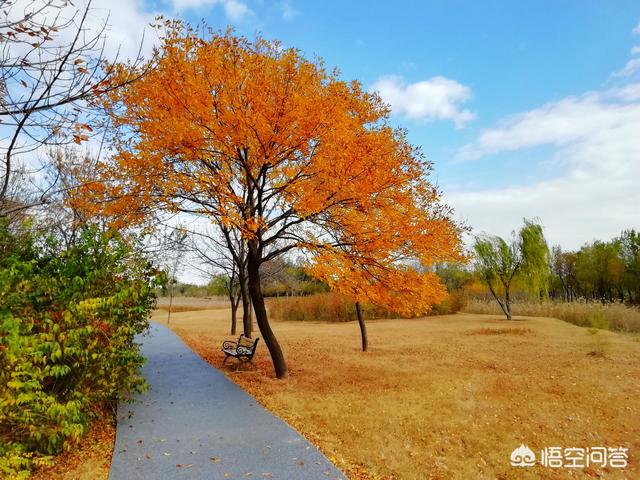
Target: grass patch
[501,331]
[599,343]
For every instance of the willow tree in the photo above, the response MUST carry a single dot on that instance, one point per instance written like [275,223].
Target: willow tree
[255,137]
[499,263]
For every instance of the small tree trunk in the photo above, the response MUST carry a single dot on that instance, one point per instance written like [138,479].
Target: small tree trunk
[507,303]
[246,308]
[170,302]
[252,325]
[255,292]
[234,317]
[363,327]
[234,305]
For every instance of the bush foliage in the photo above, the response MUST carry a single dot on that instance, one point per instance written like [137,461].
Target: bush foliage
[68,317]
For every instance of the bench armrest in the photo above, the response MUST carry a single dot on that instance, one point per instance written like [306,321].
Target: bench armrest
[229,345]
[243,351]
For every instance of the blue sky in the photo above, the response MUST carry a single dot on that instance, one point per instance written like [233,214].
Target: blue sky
[527,109]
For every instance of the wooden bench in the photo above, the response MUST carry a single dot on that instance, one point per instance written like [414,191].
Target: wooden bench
[244,349]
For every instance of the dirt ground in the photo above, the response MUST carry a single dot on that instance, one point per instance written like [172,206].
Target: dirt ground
[90,460]
[444,397]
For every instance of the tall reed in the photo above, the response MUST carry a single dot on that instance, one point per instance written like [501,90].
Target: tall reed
[610,316]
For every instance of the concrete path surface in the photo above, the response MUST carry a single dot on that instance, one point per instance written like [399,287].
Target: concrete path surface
[194,423]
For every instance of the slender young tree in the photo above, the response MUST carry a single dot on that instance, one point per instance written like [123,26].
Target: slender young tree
[498,263]
[175,251]
[388,263]
[262,141]
[226,252]
[402,288]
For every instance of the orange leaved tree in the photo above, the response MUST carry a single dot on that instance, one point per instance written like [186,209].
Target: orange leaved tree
[257,138]
[390,265]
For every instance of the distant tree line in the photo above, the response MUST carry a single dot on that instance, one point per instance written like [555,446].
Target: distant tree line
[603,271]
[282,278]
[524,268]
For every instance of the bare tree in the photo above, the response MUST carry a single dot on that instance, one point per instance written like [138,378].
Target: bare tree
[226,252]
[52,69]
[65,168]
[175,249]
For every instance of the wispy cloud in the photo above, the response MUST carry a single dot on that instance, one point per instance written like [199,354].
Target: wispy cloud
[597,156]
[560,123]
[437,98]
[636,31]
[233,9]
[631,67]
[127,26]
[288,11]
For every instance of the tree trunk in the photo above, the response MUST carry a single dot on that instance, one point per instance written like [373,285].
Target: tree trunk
[363,327]
[170,302]
[234,317]
[234,305]
[246,308]
[253,271]
[507,303]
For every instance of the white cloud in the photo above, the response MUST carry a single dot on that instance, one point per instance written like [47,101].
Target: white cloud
[635,50]
[636,31]
[233,9]
[433,99]
[631,67]
[594,195]
[559,123]
[628,93]
[128,26]
[288,11]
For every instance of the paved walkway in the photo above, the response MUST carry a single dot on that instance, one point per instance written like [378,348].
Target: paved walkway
[194,423]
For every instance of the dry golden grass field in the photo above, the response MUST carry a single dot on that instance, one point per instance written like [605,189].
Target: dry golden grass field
[186,304]
[444,397]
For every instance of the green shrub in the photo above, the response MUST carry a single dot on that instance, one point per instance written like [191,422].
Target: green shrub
[68,318]
[451,304]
